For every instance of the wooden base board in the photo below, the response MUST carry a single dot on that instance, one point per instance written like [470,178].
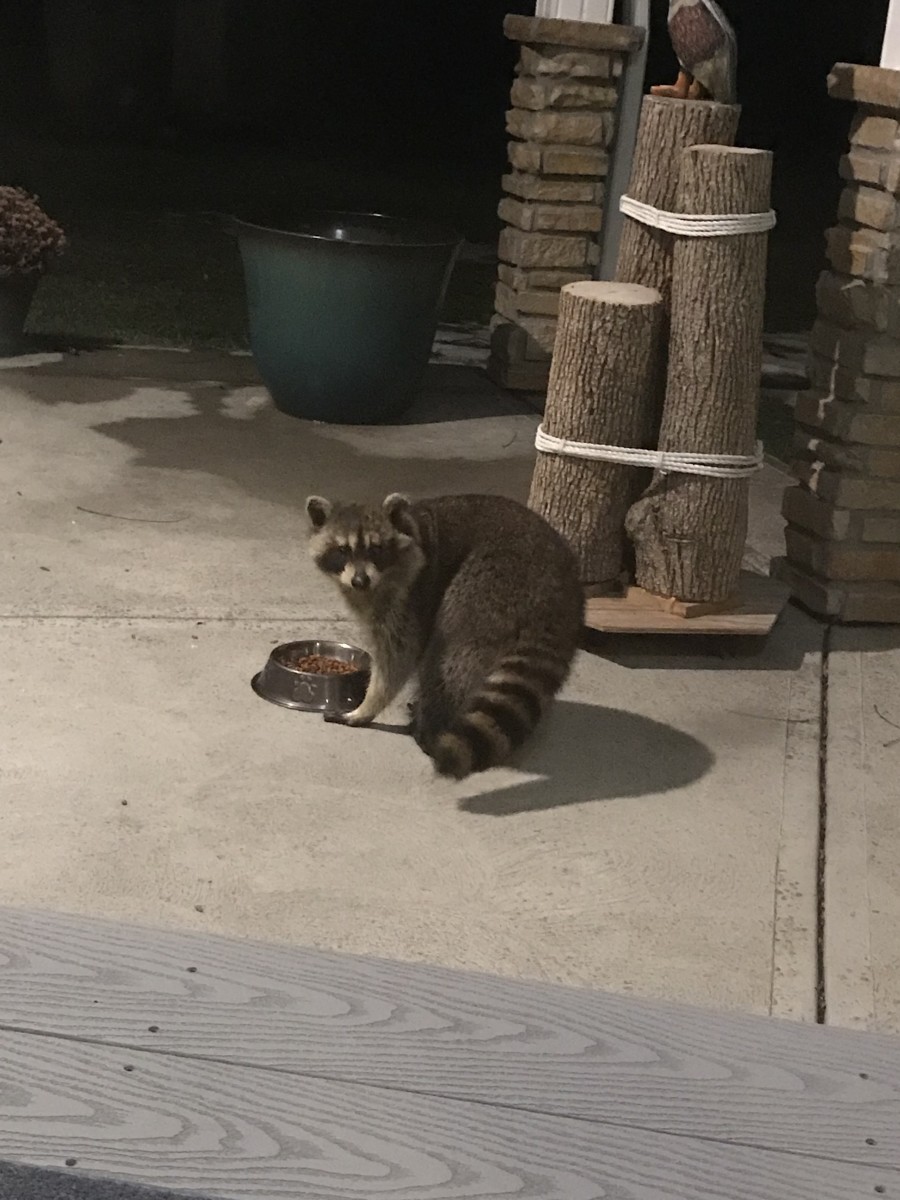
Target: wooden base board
[681,608]
[759,607]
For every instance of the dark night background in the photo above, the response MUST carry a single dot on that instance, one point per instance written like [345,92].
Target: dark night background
[134,118]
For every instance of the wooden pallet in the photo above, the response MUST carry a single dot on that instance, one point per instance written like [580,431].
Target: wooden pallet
[755,612]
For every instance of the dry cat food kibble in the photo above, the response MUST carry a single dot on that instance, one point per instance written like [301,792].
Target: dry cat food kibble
[319,664]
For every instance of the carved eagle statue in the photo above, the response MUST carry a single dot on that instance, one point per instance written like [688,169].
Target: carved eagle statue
[706,49]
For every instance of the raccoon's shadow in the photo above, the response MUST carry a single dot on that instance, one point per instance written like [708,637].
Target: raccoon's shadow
[588,752]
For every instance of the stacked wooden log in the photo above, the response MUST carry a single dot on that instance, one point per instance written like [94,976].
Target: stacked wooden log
[562,123]
[684,326]
[689,530]
[601,381]
[843,533]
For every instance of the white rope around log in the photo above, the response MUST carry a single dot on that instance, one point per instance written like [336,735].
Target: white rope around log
[716,466]
[698,224]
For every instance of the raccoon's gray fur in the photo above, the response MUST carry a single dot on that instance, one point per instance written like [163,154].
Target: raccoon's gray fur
[477,594]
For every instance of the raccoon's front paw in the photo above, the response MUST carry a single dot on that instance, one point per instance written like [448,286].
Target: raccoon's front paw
[356,718]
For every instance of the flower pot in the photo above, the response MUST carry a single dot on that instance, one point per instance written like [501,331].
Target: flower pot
[343,310]
[16,294]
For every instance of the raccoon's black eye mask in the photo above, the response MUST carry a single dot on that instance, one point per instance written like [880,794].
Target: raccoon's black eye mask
[334,559]
[381,556]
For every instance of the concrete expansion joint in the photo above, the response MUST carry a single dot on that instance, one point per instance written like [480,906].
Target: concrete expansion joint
[821,996]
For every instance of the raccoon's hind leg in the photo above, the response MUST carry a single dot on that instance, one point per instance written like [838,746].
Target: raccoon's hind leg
[449,683]
[430,715]
[435,706]
[415,722]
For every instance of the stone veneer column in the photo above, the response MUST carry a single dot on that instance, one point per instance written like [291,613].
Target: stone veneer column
[843,532]
[563,125]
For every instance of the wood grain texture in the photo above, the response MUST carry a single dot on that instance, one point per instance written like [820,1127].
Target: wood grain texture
[689,531]
[538,1047]
[242,1133]
[601,391]
[667,128]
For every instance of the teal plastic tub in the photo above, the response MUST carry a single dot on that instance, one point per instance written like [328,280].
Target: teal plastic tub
[343,309]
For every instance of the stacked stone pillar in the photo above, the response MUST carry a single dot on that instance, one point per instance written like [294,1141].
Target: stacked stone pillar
[562,124]
[843,531]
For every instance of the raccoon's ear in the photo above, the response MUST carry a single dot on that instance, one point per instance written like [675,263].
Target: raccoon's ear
[318,509]
[396,508]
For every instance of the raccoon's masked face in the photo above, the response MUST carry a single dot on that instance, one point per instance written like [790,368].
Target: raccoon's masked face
[364,549]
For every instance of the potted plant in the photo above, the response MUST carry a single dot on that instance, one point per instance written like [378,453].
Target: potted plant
[29,239]
[343,309]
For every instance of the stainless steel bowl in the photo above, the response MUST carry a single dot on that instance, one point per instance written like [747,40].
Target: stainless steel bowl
[283,684]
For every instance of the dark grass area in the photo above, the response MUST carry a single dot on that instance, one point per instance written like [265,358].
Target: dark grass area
[176,280]
[150,260]
[144,278]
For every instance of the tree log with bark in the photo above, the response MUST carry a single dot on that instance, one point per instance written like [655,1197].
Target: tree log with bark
[601,392]
[689,531]
[667,128]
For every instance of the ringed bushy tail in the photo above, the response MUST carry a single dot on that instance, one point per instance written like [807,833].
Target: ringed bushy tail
[502,714]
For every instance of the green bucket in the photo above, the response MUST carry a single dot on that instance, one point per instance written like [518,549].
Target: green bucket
[343,309]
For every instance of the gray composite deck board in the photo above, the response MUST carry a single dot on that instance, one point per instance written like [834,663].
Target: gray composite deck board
[242,1132]
[19,1182]
[540,1048]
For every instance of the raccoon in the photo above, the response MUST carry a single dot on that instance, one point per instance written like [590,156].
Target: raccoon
[477,595]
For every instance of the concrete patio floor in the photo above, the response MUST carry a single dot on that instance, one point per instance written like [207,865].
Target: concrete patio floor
[662,838]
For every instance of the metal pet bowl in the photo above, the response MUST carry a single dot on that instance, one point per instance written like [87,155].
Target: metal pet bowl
[283,684]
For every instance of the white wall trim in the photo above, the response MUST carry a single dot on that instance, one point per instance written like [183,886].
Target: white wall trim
[890,47]
[599,12]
